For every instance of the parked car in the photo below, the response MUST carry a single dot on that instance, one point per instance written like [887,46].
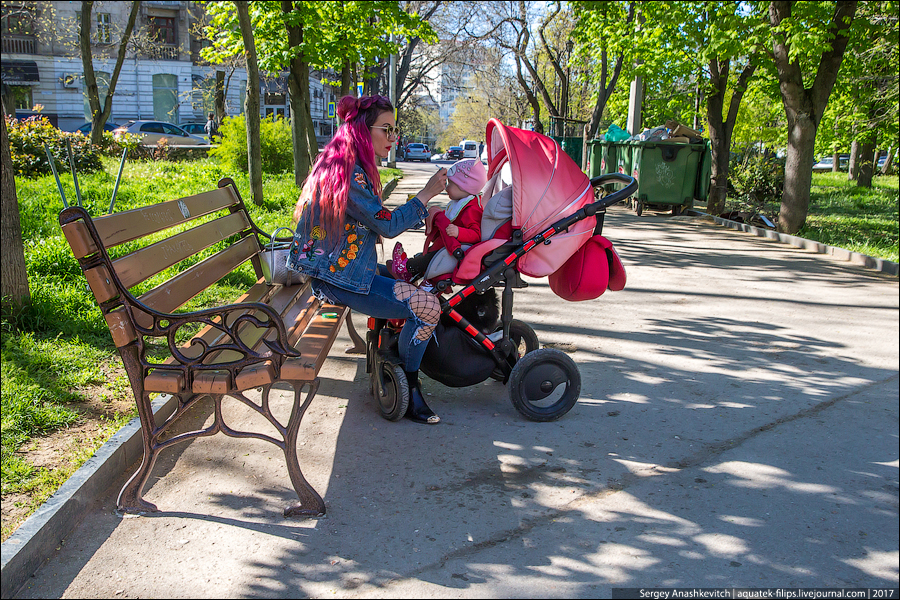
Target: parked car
[470,148]
[417,151]
[826,163]
[153,131]
[883,158]
[455,152]
[198,129]
[88,127]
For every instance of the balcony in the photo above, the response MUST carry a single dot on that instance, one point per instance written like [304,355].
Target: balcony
[19,44]
[163,52]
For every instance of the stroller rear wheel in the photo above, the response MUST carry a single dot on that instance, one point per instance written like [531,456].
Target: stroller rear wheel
[544,385]
[392,392]
[525,340]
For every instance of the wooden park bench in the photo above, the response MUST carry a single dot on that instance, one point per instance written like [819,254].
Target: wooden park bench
[271,333]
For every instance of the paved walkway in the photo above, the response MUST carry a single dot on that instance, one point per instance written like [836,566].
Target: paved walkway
[738,426]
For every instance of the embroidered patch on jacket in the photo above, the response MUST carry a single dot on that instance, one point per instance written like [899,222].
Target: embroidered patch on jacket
[361,180]
[350,250]
[317,233]
[383,215]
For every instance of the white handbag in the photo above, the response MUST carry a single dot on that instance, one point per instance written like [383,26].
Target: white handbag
[273,259]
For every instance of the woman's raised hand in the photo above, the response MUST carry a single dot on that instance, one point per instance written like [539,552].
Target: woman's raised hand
[435,186]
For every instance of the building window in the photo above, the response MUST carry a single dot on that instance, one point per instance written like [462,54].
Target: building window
[17,21]
[162,30]
[274,98]
[104,29]
[165,97]
[21,95]
[18,30]
[203,98]
[102,78]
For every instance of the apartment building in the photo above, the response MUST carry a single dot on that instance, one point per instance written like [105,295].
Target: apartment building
[163,77]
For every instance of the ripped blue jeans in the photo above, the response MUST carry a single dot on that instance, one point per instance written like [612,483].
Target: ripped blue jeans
[389,298]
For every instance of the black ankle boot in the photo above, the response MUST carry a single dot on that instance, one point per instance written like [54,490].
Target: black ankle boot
[418,410]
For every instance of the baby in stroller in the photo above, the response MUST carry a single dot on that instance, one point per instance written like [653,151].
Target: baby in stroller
[535,194]
[453,229]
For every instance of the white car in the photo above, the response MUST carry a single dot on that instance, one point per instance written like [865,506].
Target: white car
[470,149]
[418,151]
[153,131]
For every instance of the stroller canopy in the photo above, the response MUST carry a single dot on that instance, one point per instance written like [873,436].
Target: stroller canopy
[547,186]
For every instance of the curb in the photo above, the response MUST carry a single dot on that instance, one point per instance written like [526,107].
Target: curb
[40,534]
[878,264]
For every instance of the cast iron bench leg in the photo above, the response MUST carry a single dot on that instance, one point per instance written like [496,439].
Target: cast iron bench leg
[311,503]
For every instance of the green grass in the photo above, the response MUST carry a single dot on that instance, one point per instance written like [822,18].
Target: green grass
[60,345]
[858,219]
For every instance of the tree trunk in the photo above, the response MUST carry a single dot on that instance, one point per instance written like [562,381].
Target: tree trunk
[220,96]
[721,127]
[853,165]
[797,175]
[15,292]
[804,106]
[298,133]
[297,71]
[312,144]
[251,105]
[866,164]
[835,162]
[100,114]
[887,161]
[867,156]
[345,79]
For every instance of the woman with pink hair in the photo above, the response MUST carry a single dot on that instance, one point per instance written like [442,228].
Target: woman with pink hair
[340,217]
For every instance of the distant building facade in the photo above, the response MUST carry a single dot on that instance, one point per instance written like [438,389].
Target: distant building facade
[162,78]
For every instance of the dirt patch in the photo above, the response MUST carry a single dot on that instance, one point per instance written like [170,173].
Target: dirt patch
[60,451]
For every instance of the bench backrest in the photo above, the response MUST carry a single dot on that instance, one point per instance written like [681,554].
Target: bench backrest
[159,236]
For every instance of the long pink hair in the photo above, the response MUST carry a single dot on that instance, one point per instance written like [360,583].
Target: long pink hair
[328,183]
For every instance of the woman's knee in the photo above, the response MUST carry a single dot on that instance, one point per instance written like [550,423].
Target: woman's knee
[423,305]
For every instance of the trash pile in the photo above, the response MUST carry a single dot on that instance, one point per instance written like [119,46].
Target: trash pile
[672,131]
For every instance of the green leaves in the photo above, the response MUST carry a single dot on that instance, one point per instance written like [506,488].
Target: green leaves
[334,33]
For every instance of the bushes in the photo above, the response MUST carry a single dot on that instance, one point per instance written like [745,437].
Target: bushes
[757,181]
[27,139]
[275,139]
[26,145]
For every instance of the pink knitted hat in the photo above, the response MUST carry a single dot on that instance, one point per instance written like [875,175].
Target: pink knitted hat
[469,174]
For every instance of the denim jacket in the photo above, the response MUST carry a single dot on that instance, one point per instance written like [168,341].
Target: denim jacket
[351,261]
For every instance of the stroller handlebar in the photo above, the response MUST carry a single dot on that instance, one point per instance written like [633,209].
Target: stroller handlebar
[630,188]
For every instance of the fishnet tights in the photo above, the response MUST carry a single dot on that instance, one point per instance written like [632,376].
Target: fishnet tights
[423,304]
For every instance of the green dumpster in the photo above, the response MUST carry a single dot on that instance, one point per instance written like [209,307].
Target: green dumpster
[571,146]
[624,157]
[667,174]
[602,155]
[594,158]
[703,175]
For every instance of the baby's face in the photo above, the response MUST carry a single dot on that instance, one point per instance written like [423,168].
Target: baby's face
[454,191]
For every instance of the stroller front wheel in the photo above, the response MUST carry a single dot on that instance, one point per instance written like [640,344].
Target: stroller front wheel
[544,385]
[392,392]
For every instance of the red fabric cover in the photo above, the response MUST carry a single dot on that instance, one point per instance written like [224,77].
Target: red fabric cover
[586,275]
[616,269]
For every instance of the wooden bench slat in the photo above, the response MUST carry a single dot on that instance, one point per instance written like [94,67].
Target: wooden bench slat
[175,292]
[147,262]
[315,344]
[132,224]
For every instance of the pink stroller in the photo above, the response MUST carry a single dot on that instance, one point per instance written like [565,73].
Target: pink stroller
[537,223]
